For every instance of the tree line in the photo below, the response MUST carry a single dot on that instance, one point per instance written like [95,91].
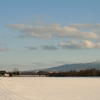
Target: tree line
[81,73]
[73,73]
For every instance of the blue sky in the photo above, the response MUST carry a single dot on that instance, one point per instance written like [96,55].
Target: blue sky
[37,34]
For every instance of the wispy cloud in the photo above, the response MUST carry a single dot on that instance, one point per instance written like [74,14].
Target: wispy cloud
[4,49]
[85,44]
[31,48]
[52,30]
[41,65]
[63,62]
[49,64]
[49,47]
[85,25]
[45,16]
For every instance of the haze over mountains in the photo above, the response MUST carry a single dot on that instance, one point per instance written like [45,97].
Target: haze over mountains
[69,67]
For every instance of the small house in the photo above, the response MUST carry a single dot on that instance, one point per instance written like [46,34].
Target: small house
[6,75]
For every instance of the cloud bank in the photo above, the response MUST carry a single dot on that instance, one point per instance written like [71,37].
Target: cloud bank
[86,32]
[85,44]
[52,30]
[85,25]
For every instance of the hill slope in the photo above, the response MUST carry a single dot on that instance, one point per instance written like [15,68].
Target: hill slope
[77,67]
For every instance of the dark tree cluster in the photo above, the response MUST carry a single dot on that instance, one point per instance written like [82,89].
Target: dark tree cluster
[27,73]
[81,73]
[13,73]
[34,73]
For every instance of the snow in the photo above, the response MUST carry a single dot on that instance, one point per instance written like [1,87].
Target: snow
[47,88]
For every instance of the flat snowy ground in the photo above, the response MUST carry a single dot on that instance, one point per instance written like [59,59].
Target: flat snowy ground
[46,88]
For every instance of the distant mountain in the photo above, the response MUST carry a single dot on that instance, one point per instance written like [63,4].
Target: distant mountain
[68,67]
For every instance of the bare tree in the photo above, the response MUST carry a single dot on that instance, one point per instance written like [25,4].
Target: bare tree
[15,71]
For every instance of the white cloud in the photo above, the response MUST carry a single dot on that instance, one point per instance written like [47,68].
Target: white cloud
[51,30]
[85,25]
[85,44]
[71,45]
[31,48]
[49,47]
[88,44]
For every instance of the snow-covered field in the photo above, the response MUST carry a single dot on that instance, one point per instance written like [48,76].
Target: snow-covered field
[46,88]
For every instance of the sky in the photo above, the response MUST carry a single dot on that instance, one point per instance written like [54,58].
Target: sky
[36,34]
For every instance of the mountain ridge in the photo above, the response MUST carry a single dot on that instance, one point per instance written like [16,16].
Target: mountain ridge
[69,67]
